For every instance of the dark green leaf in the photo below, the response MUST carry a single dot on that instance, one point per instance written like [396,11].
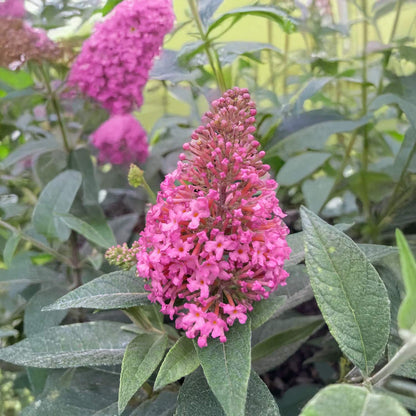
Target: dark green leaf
[196,398]
[10,248]
[348,290]
[31,148]
[163,405]
[35,320]
[80,160]
[56,198]
[87,344]
[265,309]
[180,361]
[316,191]
[345,400]
[313,137]
[300,167]
[111,291]
[227,367]
[305,328]
[142,356]
[91,233]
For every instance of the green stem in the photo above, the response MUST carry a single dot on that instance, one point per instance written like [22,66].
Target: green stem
[272,69]
[340,173]
[77,280]
[407,351]
[38,244]
[211,54]
[285,63]
[387,56]
[364,100]
[56,108]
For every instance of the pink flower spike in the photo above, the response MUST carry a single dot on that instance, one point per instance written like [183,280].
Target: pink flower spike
[215,238]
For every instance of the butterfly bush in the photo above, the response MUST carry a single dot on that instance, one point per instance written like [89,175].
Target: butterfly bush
[214,242]
[114,63]
[120,140]
[12,8]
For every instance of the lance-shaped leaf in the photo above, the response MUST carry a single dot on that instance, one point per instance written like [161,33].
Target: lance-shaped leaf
[196,398]
[407,311]
[76,345]
[180,361]
[56,198]
[348,290]
[345,400]
[111,291]
[99,233]
[142,356]
[265,309]
[274,14]
[227,368]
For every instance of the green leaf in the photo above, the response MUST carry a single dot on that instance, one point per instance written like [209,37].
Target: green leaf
[265,309]
[313,137]
[92,234]
[142,357]
[407,311]
[206,8]
[18,80]
[163,405]
[10,248]
[56,198]
[300,167]
[345,400]
[287,23]
[109,6]
[348,290]
[227,367]
[316,191]
[181,360]
[75,392]
[80,160]
[111,291]
[86,344]
[31,148]
[35,320]
[196,398]
[305,328]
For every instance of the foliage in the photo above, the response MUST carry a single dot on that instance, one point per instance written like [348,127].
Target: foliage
[335,89]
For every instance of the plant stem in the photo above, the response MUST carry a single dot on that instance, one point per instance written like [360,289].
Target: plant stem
[387,56]
[211,54]
[285,64]
[77,281]
[364,97]
[270,53]
[56,108]
[38,244]
[407,351]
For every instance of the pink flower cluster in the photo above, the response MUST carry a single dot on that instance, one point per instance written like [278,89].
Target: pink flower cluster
[12,8]
[215,242]
[115,61]
[121,140]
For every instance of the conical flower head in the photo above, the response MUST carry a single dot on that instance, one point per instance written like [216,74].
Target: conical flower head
[215,242]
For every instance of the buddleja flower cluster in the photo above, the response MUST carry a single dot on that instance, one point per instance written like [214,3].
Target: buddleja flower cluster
[121,140]
[114,63]
[12,8]
[19,42]
[113,68]
[214,242]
